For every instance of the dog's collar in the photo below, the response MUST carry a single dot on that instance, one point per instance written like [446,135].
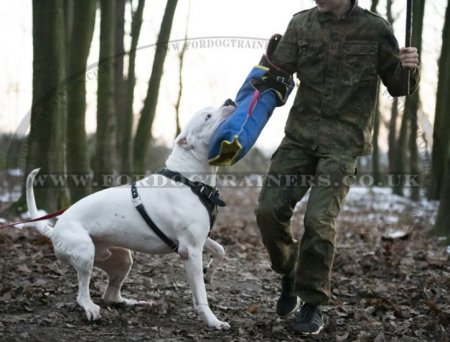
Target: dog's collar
[207,194]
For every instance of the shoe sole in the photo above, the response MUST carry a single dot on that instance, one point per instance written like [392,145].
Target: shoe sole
[294,309]
[312,333]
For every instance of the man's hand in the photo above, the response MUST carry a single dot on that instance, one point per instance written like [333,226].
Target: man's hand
[409,58]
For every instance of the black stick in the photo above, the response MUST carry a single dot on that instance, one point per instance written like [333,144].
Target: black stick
[408,35]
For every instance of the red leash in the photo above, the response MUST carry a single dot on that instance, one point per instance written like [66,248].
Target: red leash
[46,217]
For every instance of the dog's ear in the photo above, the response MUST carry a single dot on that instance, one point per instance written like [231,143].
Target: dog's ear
[183,141]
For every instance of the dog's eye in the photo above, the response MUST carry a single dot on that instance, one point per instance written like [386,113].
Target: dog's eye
[208,116]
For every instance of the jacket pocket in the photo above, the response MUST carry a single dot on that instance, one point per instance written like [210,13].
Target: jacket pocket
[311,61]
[359,65]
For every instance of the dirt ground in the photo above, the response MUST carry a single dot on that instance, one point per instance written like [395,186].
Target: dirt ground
[383,290]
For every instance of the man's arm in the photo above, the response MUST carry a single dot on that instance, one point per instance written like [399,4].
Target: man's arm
[286,55]
[393,64]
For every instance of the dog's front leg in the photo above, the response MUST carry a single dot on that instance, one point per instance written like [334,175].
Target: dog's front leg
[192,258]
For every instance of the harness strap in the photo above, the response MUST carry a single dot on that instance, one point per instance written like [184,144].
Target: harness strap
[140,208]
[208,195]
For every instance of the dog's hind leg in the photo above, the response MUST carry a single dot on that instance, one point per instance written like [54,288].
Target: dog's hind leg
[73,245]
[117,265]
[218,253]
[192,258]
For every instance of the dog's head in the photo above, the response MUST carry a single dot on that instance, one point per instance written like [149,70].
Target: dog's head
[200,128]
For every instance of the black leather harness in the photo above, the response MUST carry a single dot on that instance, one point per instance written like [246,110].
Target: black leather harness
[208,195]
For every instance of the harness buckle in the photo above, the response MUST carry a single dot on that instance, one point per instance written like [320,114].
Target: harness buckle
[137,201]
[203,189]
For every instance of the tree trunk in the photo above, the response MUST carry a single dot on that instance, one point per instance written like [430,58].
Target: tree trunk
[373,7]
[392,136]
[401,157]
[180,76]
[376,172]
[389,16]
[412,101]
[442,226]
[441,133]
[46,140]
[105,137]
[126,165]
[376,126]
[143,134]
[119,80]
[398,147]
[68,21]
[79,46]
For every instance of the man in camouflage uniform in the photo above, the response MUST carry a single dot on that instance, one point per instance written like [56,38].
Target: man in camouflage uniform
[338,51]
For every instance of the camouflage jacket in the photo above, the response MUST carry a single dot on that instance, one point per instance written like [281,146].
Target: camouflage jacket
[339,63]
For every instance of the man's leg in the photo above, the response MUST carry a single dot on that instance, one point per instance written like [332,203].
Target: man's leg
[334,175]
[284,186]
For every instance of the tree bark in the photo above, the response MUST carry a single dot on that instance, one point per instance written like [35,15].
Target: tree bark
[119,80]
[440,186]
[376,171]
[412,101]
[441,133]
[373,6]
[79,46]
[105,135]
[376,126]
[126,165]
[401,156]
[68,20]
[398,147]
[46,140]
[180,76]
[143,133]
[442,226]
[392,136]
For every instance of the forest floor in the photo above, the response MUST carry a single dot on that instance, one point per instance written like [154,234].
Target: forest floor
[383,289]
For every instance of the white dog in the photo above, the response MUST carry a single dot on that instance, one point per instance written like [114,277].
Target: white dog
[101,229]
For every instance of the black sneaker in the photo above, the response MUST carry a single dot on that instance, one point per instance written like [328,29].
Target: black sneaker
[309,320]
[288,302]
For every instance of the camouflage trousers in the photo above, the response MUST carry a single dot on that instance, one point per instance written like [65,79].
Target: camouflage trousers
[293,171]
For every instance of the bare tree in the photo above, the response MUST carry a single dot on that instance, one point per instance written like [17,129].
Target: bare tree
[441,133]
[46,140]
[180,74]
[376,126]
[412,101]
[441,138]
[126,165]
[392,135]
[105,137]
[82,17]
[119,79]
[143,133]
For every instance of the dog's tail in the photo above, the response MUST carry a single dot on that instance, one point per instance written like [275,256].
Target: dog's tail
[42,226]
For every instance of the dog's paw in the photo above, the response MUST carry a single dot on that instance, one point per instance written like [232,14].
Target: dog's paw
[220,325]
[92,312]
